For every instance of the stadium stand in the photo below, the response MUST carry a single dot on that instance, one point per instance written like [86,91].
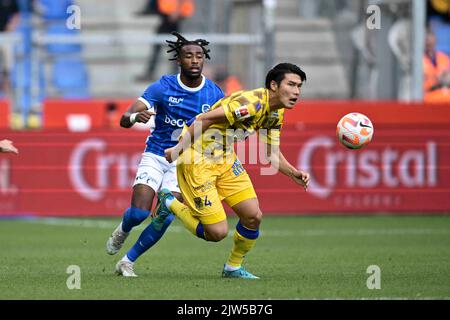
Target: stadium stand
[320,43]
[69,78]
[309,42]
[75,86]
[113,67]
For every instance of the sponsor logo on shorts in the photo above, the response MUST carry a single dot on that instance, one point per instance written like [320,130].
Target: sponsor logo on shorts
[151,179]
[206,186]
[198,203]
[237,168]
[143,175]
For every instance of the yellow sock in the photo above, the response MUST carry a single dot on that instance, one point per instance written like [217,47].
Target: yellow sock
[183,213]
[241,246]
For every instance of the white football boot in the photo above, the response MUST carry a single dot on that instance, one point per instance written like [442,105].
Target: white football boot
[116,240]
[125,268]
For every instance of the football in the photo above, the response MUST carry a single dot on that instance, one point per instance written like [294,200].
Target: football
[354,130]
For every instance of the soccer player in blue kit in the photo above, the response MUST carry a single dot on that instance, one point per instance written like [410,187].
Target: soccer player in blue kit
[172,100]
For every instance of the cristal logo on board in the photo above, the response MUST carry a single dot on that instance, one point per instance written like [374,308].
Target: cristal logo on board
[367,168]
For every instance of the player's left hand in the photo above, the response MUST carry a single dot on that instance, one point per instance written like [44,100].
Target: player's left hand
[302,178]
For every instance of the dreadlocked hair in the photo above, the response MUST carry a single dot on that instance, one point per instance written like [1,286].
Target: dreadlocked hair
[175,46]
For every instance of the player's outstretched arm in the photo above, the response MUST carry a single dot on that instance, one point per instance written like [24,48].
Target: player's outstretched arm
[278,161]
[138,112]
[7,146]
[195,130]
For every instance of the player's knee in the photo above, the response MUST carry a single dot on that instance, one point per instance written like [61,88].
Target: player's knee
[253,219]
[142,205]
[215,237]
[142,197]
[216,234]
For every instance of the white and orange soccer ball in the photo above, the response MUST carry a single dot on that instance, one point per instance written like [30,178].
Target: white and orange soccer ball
[354,130]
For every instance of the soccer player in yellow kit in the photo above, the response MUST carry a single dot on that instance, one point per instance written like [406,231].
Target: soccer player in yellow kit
[208,170]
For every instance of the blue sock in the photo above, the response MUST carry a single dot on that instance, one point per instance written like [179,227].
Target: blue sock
[133,217]
[148,238]
[200,231]
[247,233]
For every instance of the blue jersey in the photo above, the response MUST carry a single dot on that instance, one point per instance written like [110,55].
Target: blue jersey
[174,104]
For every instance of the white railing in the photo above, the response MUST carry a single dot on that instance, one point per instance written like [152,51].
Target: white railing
[8,41]
[214,38]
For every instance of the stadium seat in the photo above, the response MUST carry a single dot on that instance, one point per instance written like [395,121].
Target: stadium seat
[70,78]
[60,29]
[54,9]
[442,32]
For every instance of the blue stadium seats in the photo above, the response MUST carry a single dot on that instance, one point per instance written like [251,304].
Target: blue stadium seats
[442,32]
[70,78]
[54,9]
[60,29]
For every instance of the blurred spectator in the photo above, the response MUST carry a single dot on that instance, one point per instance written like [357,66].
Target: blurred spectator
[228,83]
[399,41]
[9,15]
[438,19]
[436,65]
[151,7]
[171,13]
[438,9]
[367,74]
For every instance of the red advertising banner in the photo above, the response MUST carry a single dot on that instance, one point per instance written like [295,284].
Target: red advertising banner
[406,169]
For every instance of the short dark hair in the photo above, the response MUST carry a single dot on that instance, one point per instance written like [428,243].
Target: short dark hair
[175,46]
[277,73]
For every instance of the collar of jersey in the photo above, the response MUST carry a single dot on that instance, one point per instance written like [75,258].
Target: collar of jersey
[185,87]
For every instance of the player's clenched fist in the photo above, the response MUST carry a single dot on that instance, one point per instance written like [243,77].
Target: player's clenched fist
[170,154]
[144,116]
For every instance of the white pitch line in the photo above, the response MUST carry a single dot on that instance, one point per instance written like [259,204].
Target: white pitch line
[102,224]
[89,223]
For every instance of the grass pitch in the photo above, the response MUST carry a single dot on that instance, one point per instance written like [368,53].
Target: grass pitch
[322,257]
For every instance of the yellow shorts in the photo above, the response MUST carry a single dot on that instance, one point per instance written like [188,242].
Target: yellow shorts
[205,184]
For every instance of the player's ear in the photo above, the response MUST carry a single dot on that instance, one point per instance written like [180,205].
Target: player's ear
[273,85]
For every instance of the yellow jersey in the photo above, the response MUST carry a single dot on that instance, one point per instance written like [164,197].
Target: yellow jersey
[247,112]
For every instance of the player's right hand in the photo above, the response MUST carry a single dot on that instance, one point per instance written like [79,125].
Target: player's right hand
[144,116]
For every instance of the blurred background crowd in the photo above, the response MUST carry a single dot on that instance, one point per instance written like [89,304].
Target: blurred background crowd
[81,49]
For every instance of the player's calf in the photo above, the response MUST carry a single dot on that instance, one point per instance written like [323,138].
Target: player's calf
[133,217]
